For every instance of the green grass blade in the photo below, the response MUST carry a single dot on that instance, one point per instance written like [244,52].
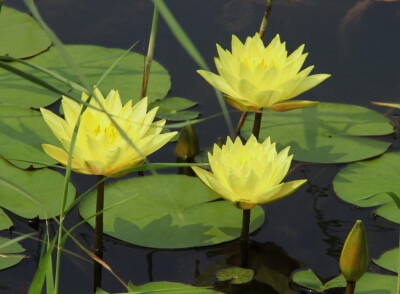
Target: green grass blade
[48,72]
[185,41]
[15,240]
[40,275]
[57,42]
[106,73]
[35,80]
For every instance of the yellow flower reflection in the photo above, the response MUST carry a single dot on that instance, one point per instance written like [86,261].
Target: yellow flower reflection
[249,174]
[100,149]
[253,76]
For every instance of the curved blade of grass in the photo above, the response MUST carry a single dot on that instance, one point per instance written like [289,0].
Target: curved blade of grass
[57,42]
[186,43]
[48,72]
[44,263]
[35,80]
[15,240]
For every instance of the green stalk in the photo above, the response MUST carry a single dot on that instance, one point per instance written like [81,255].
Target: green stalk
[98,232]
[257,124]
[150,53]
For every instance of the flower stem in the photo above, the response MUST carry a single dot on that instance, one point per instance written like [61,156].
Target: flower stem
[257,124]
[264,21]
[351,286]
[98,232]
[241,122]
[244,239]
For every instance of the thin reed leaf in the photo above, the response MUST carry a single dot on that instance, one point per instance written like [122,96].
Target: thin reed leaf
[57,42]
[185,41]
[15,240]
[36,80]
[115,63]
[50,73]
[40,275]
[49,272]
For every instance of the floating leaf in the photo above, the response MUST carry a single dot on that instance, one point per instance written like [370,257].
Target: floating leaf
[326,133]
[20,35]
[32,193]
[389,260]
[9,254]
[93,62]
[23,131]
[164,287]
[236,275]
[308,279]
[168,211]
[357,182]
[5,221]
[173,109]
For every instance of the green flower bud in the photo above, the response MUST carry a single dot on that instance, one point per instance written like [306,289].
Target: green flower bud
[188,144]
[355,253]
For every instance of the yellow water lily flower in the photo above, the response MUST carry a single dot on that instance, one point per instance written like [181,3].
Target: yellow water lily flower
[248,174]
[99,148]
[253,76]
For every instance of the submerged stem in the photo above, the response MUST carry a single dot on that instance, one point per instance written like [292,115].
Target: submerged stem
[98,231]
[244,239]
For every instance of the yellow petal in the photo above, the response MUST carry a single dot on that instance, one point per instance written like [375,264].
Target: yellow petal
[294,104]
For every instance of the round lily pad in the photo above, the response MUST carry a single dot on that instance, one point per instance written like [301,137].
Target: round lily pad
[20,35]
[23,131]
[370,183]
[5,221]
[236,275]
[309,280]
[168,211]
[31,194]
[325,133]
[93,61]
[9,254]
[389,260]
[174,109]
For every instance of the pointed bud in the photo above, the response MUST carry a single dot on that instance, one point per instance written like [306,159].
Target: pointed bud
[355,253]
[188,144]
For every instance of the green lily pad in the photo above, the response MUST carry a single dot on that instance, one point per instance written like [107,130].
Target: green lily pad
[23,131]
[168,211]
[388,260]
[31,194]
[164,287]
[174,109]
[309,280]
[9,255]
[20,35]
[236,275]
[357,182]
[5,221]
[325,133]
[93,62]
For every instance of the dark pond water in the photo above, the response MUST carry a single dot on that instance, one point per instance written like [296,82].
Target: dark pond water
[355,41]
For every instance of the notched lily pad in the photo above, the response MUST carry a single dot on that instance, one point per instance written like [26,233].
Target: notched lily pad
[20,35]
[93,61]
[309,280]
[236,275]
[326,133]
[168,211]
[10,255]
[368,183]
[32,193]
[174,109]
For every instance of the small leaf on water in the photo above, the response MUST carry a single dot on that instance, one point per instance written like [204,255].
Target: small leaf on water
[236,275]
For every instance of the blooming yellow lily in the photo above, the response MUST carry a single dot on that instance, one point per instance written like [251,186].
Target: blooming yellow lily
[253,76]
[248,174]
[99,148]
